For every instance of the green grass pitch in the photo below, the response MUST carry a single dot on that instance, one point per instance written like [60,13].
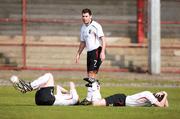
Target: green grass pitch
[14,105]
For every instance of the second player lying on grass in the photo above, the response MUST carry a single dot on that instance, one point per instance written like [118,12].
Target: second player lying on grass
[44,87]
[144,98]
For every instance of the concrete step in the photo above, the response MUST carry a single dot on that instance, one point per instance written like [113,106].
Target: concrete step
[72,9]
[71,40]
[106,64]
[67,10]
[82,2]
[171,42]
[45,29]
[56,60]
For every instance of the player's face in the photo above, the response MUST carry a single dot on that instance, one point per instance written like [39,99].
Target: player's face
[86,18]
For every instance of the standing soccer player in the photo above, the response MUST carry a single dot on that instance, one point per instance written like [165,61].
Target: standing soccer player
[92,37]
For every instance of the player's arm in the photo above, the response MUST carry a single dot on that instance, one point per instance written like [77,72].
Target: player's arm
[61,89]
[81,48]
[102,55]
[163,102]
[166,103]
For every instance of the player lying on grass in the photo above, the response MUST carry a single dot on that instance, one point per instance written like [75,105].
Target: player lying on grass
[145,98]
[45,90]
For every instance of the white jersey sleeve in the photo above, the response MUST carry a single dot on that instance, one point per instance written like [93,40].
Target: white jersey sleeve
[145,98]
[81,33]
[151,97]
[99,31]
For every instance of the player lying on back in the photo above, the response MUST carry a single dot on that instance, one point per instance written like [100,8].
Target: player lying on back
[145,98]
[44,87]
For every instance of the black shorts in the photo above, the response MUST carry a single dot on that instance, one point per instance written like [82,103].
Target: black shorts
[116,100]
[94,60]
[45,96]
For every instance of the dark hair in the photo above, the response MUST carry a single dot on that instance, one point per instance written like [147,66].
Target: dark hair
[159,98]
[86,10]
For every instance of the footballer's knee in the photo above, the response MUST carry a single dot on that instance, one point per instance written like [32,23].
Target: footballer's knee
[49,74]
[50,78]
[92,74]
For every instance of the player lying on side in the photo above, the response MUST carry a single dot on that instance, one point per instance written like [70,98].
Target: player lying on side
[145,98]
[44,87]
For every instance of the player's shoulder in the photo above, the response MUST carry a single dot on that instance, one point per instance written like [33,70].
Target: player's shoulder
[147,92]
[144,93]
[95,23]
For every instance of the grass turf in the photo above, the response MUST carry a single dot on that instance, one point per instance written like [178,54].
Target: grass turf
[21,106]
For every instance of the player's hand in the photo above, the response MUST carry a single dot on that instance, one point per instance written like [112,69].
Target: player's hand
[102,56]
[159,94]
[77,58]
[165,93]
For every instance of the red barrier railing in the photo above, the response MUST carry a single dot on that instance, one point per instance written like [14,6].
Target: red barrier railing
[140,21]
[24,23]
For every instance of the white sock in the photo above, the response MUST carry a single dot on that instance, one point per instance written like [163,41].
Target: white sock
[94,92]
[41,80]
[89,94]
[96,95]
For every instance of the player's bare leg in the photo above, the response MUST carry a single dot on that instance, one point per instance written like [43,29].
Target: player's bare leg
[91,77]
[92,74]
